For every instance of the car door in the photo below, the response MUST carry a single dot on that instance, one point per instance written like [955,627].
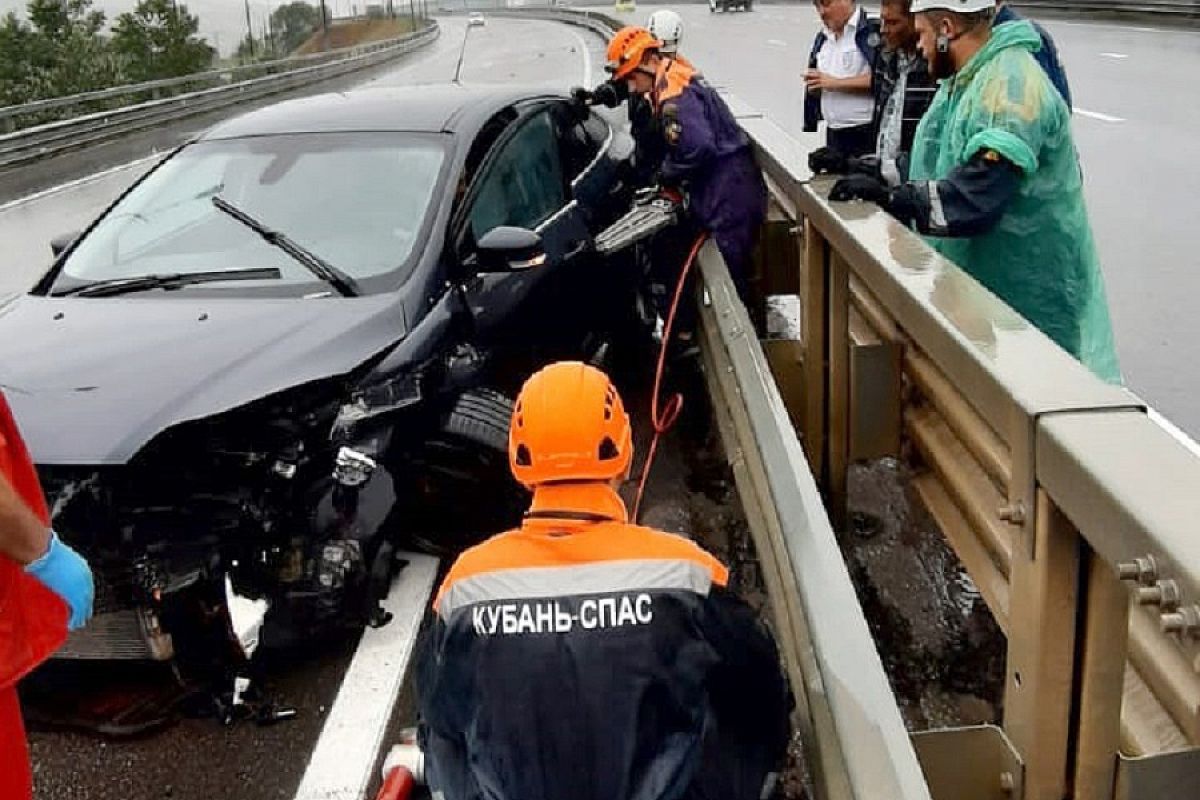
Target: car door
[596,157]
[524,182]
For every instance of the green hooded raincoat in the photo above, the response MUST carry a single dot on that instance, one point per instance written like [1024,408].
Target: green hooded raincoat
[1040,257]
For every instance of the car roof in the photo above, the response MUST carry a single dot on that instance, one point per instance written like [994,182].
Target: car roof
[427,109]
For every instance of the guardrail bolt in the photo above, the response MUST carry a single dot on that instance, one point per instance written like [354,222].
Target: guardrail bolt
[1143,570]
[1007,782]
[1185,621]
[1013,513]
[1163,593]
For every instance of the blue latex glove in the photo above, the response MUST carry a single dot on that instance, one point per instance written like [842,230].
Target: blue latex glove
[65,573]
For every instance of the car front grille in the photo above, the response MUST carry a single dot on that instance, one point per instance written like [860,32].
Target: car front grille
[113,635]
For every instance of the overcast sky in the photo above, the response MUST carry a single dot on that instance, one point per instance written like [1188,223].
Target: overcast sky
[222,22]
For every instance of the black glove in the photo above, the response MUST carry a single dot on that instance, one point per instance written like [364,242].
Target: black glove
[860,187]
[826,159]
[864,165]
[607,95]
[582,96]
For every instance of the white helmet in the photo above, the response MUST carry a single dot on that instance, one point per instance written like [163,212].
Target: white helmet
[667,27]
[961,6]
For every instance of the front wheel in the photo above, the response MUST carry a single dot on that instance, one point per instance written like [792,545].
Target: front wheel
[458,489]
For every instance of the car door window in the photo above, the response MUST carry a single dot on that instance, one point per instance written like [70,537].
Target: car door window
[524,184]
[582,142]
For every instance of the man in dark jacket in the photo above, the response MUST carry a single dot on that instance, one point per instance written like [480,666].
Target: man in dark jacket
[584,657]
[902,87]
[902,90]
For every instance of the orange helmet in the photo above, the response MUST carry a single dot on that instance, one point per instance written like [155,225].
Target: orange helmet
[626,48]
[569,424]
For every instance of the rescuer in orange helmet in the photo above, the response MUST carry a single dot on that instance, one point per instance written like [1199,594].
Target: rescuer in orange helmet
[706,158]
[583,657]
[45,588]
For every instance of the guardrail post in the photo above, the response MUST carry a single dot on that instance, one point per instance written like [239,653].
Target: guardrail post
[1102,681]
[838,397]
[1040,679]
[814,319]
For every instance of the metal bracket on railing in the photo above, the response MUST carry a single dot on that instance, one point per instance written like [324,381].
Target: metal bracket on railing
[995,771]
[1158,777]
[1021,509]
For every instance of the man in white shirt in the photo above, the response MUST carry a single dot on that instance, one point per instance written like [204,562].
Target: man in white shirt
[838,78]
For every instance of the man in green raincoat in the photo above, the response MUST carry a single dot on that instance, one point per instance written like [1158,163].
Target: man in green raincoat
[994,177]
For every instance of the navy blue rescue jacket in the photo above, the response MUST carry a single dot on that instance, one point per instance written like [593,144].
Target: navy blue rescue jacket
[590,659]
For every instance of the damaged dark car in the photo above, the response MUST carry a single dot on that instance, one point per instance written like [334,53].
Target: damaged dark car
[287,352]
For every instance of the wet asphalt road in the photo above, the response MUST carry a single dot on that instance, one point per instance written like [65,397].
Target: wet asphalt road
[198,759]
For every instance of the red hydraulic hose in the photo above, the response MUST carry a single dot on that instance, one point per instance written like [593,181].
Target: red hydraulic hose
[398,785]
[662,419]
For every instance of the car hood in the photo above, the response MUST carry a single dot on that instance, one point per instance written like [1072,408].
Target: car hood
[92,380]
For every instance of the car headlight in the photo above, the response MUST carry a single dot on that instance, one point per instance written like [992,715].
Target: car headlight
[374,401]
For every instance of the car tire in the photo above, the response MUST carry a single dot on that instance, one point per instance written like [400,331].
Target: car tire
[464,491]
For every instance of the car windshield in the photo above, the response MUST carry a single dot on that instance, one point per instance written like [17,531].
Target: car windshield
[356,200]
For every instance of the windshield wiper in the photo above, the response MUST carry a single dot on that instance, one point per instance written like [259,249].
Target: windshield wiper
[310,260]
[172,280]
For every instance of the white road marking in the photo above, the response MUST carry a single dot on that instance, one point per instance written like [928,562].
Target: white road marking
[1114,55]
[587,57]
[777,42]
[1098,115]
[1141,29]
[95,176]
[343,762]
[1175,432]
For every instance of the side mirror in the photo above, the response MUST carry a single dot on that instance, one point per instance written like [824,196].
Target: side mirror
[508,249]
[62,242]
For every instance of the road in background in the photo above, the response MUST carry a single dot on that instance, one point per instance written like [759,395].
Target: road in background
[1135,124]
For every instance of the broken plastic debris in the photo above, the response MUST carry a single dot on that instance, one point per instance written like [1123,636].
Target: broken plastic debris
[246,617]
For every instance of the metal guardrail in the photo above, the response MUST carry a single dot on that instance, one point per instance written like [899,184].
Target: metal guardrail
[854,739]
[1051,486]
[25,146]
[1072,509]
[11,116]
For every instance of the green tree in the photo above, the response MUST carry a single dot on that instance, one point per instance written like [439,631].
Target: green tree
[60,20]
[293,23]
[158,40]
[59,51]
[17,44]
